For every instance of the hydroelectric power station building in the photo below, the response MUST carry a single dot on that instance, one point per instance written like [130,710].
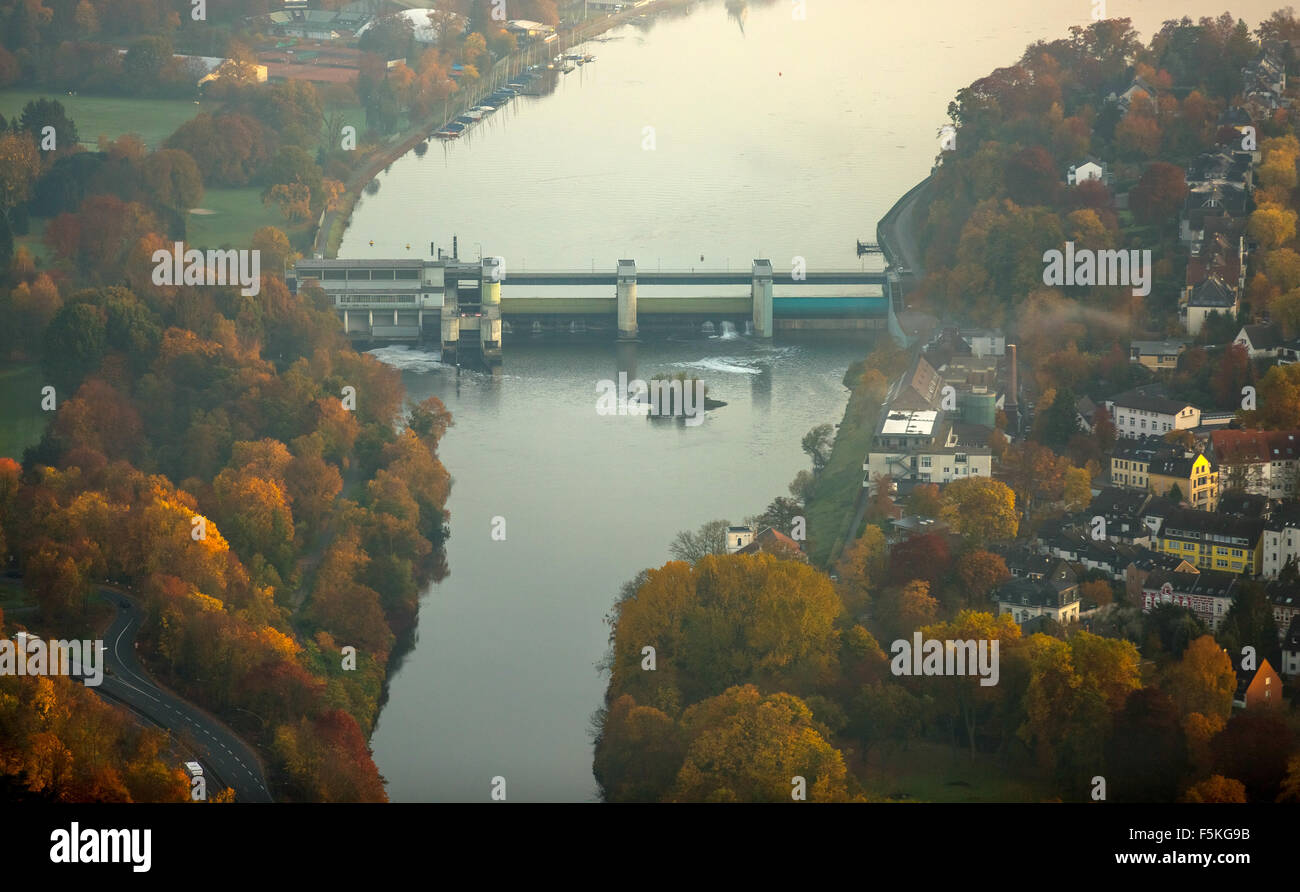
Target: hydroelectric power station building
[467,307]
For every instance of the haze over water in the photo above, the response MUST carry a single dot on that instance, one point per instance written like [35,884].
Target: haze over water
[791,138]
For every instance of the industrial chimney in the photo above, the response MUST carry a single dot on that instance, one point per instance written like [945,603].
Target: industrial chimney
[1012,404]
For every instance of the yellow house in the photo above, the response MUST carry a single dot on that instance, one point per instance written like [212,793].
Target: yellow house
[1196,478]
[1158,467]
[1129,468]
[1213,541]
[1156,355]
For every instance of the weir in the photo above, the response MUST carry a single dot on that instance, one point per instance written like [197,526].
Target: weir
[469,307]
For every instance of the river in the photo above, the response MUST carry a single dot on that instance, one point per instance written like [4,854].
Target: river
[772,137]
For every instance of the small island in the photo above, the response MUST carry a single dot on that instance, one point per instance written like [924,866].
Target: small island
[678,396]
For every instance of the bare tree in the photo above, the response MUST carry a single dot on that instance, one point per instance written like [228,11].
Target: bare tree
[711,538]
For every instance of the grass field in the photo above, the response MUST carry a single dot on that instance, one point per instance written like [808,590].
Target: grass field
[14,597]
[237,214]
[21,420]
[931,772]
[838,485]
[153,120]
[351,113]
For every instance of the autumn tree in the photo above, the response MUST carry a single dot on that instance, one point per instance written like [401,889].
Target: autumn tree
[274,245]
[639,752]
[1272,225]
[744,747]
[861,569]
[1096,591]
[925,557]
[963,698]
[924,500]
[19,166]
[1159,193]
[1075,688]
[979,572]
[172,179]
[730,619]
[1216,788]
[980,509]
[1203,681]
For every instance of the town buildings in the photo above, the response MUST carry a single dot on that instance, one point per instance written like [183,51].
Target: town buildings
[1213,541]
[1146,410]
[923,433]
[1055,595]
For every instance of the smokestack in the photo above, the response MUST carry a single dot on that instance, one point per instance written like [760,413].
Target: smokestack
[1012,404]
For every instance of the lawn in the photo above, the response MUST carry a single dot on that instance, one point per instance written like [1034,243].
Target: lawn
[21,420]
[837,486]
[350,113]
[13,596]
[929,772]
[152,119]
[236,215]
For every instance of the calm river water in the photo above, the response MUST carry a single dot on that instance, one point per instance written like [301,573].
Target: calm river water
[772,137]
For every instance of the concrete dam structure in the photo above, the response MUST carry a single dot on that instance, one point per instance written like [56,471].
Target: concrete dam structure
[469,307]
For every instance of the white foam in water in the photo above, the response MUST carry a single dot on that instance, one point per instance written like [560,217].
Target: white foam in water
[728,332]
[408,359]
[726,365]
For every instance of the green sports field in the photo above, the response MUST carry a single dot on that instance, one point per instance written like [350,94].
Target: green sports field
[21,420]
[153,120]
[236,215]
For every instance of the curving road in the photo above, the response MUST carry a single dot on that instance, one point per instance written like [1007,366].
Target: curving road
[223,754]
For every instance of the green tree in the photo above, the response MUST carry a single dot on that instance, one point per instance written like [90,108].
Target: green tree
[173,179]
[1060,420]
[74,344]
[41,113]
[1249,623]
[818,443]
[145,59]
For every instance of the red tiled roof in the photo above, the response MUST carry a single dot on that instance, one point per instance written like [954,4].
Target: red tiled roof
[1255,446]
[317,73]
